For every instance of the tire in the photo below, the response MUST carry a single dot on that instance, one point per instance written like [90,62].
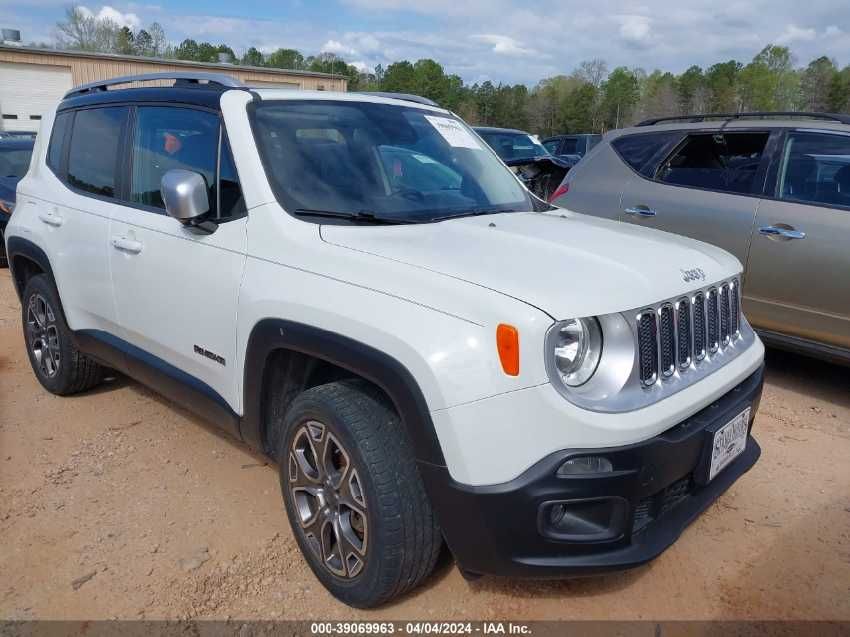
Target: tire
[378,513]
[59,366]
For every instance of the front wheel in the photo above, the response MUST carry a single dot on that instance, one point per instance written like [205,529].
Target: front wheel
[354,496]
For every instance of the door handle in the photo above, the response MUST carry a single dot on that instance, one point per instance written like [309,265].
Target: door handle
[783,232]
[51,219]
[641,211]
[127,245]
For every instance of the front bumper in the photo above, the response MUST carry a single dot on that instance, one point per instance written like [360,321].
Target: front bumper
[644,504]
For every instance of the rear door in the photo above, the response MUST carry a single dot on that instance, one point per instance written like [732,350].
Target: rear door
[84,153]
[798,279]
[176,288]
[706,189]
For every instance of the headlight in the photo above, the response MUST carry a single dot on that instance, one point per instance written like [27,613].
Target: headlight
[576,348]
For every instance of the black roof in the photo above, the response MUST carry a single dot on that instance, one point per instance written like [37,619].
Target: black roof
[197,95]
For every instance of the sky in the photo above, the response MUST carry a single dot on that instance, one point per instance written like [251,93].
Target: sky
[497,40]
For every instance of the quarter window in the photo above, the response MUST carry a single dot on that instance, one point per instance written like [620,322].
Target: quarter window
[726,162]
[57,141]
[816,169]
[93,161]
[638,150]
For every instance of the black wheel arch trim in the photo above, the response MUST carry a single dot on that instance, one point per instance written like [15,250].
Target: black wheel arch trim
[18,246]
[270,335]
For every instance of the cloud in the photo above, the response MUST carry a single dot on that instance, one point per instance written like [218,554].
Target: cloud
[634,29]
[793,33]
[109,13]
[362,66]
[334,46]
[504,45]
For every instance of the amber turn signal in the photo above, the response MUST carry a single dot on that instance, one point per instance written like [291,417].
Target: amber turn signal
[507,342]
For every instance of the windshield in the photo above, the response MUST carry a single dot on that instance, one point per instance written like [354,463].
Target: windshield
[15,162]
[514,145]
[395,162]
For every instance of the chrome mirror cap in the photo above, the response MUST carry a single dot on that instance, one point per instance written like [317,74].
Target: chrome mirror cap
[185,195]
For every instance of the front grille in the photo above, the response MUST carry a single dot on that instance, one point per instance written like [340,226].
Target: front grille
[712,320]
[648,347]
[735,303]
[699,327]
[658,504]
[673,337]
[667,340]
[724,314]
[683,333]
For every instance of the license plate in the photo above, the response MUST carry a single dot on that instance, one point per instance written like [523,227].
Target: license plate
[728,443]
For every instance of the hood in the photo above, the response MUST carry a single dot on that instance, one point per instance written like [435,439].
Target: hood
[566,264]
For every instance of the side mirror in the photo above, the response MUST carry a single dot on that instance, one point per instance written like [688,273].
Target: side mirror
[185,195]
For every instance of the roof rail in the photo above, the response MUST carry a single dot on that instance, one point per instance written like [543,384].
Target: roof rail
[834,117]
[198,77]
[407,97]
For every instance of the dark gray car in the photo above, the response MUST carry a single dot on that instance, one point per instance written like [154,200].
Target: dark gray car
[774,190]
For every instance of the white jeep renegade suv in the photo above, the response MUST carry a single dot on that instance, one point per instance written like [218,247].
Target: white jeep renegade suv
[357,286]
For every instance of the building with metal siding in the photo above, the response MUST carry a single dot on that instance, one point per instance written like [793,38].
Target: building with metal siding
[33,80]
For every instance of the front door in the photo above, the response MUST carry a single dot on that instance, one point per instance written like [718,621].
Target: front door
[798,276]
[175,288]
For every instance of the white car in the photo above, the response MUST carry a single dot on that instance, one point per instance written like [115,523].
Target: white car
[357,286]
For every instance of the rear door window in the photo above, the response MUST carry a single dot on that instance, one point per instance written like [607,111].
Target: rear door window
[638,150]
[552,146]
[816,169]
[93,161]
[569,146]
[726,162]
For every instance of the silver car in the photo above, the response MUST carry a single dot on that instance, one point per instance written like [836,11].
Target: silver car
[772,189]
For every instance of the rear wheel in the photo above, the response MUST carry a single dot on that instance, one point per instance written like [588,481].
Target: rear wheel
[353,494]
[58,365]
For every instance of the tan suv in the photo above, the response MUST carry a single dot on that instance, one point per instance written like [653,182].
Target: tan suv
[771,188]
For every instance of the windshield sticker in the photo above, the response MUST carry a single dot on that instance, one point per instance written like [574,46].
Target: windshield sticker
[453,132]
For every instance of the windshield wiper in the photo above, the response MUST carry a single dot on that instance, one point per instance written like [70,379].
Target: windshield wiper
[471,213]
[364,216]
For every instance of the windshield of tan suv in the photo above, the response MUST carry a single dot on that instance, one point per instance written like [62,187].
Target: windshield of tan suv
[380,162]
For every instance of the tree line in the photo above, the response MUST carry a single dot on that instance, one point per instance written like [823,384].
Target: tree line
[589,99]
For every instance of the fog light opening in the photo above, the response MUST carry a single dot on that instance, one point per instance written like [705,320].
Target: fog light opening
[585,465]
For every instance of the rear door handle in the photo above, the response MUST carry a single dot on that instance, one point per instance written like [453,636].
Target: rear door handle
[641,211]
[127,245]
[779,231]
[51,219]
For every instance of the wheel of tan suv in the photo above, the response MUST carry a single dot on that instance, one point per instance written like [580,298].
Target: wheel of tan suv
[354,496]
[57,364]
